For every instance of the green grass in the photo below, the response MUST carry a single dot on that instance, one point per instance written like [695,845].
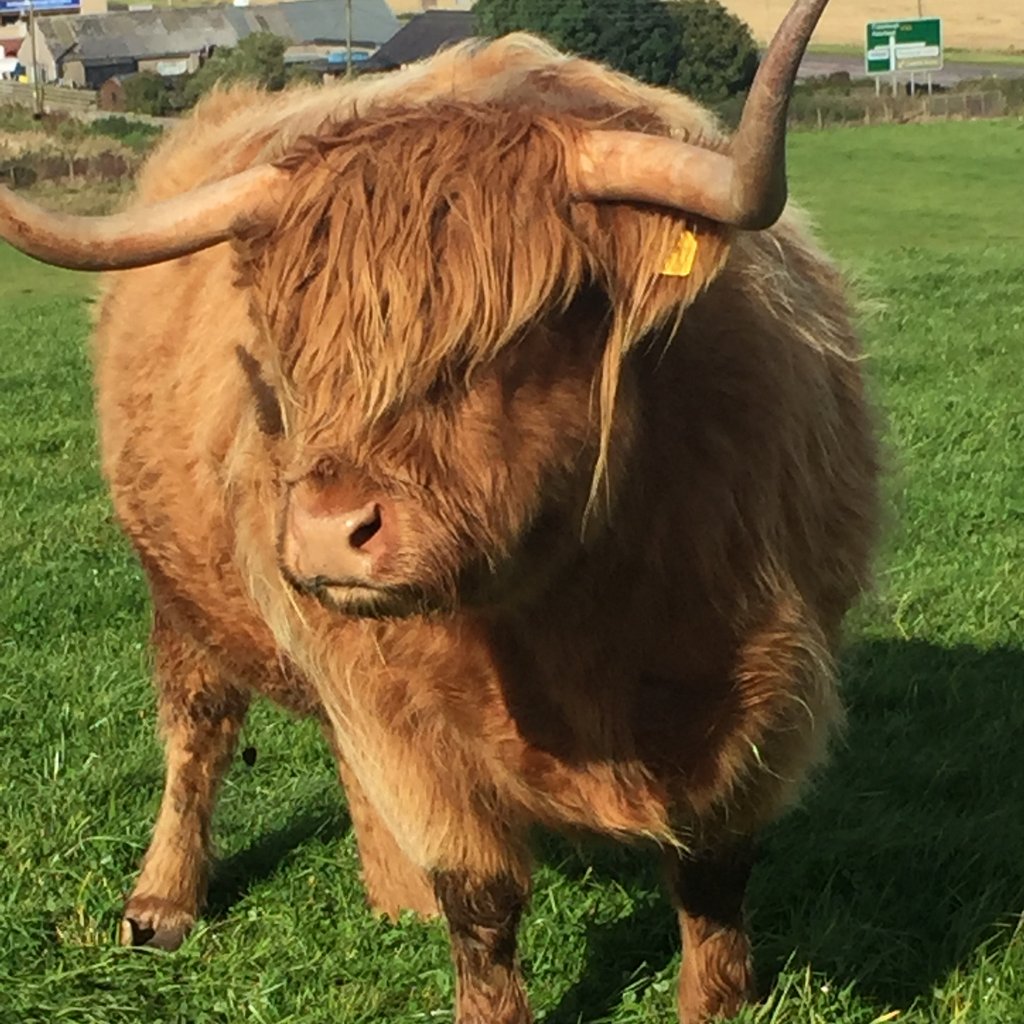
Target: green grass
[898,886]
[63,128]
[25,283]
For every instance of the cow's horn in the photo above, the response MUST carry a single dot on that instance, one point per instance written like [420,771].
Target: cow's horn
[148,234]
[745,187]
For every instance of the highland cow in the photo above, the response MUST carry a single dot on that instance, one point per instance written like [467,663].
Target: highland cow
[497,413]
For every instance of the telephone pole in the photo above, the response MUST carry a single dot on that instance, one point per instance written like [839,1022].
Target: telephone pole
[348,37]
[37,86]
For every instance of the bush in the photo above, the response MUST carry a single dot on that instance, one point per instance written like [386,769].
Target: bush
[135,134]
[146,93]
[301,74]
[16,118]
[694,45]
[1011,88]
[258,58]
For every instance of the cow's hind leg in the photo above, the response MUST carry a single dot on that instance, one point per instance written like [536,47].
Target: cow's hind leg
[200,717]
[716,976]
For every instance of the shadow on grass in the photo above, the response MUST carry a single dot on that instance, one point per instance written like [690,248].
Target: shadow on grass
[902,860]
[628,953]
[234,876]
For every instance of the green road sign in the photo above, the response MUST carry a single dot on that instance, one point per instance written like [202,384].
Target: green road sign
[913,44]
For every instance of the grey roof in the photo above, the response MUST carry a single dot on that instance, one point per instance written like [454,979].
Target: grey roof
[317,21]
[165,32]
[139,35]
[421,37]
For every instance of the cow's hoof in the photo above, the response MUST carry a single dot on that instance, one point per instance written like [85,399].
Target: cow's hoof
[155,923]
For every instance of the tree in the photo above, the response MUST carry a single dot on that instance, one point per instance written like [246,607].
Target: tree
[694,45]
[258,58]
[720,55]
[635,36]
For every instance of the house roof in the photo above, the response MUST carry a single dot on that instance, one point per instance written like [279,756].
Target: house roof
[317,21]
[422,36]
[163,32]
[137,35]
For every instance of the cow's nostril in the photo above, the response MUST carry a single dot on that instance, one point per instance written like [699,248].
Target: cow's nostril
[368,529]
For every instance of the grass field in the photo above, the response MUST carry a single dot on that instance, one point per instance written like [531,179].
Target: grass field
[974,25]
[894,894]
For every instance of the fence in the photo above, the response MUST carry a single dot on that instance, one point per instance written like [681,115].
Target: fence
[823,109]
[72,101]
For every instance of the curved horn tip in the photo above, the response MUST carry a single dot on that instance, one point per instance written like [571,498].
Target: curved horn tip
[760,220]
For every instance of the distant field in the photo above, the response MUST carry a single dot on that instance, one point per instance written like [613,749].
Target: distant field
[952,53]
[967,24]
[894,896]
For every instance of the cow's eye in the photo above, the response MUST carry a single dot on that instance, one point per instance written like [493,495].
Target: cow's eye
[450,385]
[439,393]
[268,409]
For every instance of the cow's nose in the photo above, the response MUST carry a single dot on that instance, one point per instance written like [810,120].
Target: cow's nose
[364,528]
[324,544]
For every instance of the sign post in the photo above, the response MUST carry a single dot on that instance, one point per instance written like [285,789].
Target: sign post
[911,45]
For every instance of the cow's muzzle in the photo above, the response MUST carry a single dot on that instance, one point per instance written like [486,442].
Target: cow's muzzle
[335,537]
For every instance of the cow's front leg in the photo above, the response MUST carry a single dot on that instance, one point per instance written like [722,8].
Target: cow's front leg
[483,914]
[392,881]
[200,717]
[716,976]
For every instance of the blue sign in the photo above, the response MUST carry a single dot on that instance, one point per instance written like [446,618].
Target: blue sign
[19,6]
[341,57]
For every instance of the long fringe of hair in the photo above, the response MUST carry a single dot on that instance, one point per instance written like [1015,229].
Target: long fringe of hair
[418,245]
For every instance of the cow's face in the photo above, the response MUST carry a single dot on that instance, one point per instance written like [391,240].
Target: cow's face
[473,494]
[447,332]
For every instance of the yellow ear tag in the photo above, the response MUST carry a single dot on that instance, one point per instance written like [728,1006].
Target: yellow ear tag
[680,260]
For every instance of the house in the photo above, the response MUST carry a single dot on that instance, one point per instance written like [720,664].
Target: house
[317,27]
[321,23]
[14,17]
[420,37]
[10,69]
[85,51]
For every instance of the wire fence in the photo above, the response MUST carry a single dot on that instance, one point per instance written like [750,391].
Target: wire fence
[822,111]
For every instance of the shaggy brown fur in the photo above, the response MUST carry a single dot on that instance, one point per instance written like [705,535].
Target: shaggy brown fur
[433,326]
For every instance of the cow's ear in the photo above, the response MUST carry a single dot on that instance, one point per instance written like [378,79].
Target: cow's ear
[653,262]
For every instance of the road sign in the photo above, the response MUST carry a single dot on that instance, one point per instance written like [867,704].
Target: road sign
[18,6]
[913,44]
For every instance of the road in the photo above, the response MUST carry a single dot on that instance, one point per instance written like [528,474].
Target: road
[826,63]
